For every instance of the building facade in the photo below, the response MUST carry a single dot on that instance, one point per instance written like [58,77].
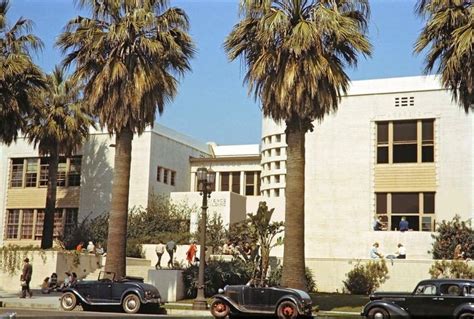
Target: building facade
[396,148]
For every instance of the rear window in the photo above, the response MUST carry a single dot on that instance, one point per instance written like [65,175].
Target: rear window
[450,290]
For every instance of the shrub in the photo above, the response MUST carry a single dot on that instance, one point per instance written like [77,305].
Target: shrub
[451,269]
[364,279]
[451,233]
[217,275]
[274,279]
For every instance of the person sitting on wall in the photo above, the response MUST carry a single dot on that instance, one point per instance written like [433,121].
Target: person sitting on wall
[378,224]
[374,252]
[45,286]
[401,252]
[458,253]
[53,281]
[403,225]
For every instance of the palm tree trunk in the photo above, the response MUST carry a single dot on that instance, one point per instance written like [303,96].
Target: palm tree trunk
[117,236]
[48,224]
[293,274]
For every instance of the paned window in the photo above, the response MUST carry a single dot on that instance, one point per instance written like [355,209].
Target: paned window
[71,220]
[58,227]
[31,172]
[405,142]
[44,171]
[225,181]
[236,182]
[251,179]
[16,179]
[417,209]
[39,224]
[159,169]
[165,176]
[62,169]
[27,224]
[172,178]
[13,223]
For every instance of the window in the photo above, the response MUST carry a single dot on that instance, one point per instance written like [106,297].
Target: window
[58,228]
[39,224]
[236,182]
[71,220]
[252,184]
[165,176]
[277,152]
[428,289]
[278,138]
[158,173]
[31,172]
[399,141]
[450,289]
[44,171]
[74,175]
[277,179]
[13,222]
[225,181]
[173,178]
[276,192]
[62,168]
[417,208]
[27,224]
[277,165]
[16,179]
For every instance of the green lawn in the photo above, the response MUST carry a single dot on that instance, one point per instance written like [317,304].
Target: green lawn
[339,302]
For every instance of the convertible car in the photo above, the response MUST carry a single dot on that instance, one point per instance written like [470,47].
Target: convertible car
[436,298]
[243,300]
[130,293]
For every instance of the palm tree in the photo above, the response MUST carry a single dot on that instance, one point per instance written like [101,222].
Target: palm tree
[295,52]
[58,126]
[18,74]
[449,36]
[127,54]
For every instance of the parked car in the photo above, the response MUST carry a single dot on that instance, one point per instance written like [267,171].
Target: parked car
[435,298]
[248,300]
[130,293]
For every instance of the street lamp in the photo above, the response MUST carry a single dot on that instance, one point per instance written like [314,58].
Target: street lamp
[205,179]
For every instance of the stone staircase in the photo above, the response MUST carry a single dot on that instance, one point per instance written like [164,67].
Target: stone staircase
[136,267]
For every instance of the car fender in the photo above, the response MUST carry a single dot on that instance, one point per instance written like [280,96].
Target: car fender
[292,299]
[465,307]
[77,294]
[393,309]
[233,305]
[135,291]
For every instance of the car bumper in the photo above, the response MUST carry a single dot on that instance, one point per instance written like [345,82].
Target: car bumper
[154,301]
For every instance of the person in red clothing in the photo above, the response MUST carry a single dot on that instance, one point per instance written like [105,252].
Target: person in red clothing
[191,253]
[80,246]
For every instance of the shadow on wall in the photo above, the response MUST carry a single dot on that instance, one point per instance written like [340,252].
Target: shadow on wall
[97,176]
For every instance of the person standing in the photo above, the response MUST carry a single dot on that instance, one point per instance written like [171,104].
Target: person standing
[160,250]
[191,253]
[171,249]
[26,278]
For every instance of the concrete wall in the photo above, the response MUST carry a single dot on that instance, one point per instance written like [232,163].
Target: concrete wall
[169,283]
[329,273]
[45,264]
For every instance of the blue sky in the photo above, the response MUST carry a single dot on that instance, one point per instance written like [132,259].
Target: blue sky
[212,104]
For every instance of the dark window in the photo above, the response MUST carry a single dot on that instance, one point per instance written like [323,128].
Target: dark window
[381,203]
[27,224]
[426,223]
[382,154]
[71,220]
[250,183]
[62,172]
[44,171]
[404,153]
[225,181]
[405,203]
[165,175]
[413,222]
[74,175]
[39,224]
[158,173]
[16,179]
[382,133]
[58,228]
[404,132]
[31,172]
[173,178]
[427,151]
[428,203]
[236,182]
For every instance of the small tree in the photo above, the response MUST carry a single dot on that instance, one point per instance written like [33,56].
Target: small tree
[364,279]
[259,231]
[451,269]
[451,233]
[215,233]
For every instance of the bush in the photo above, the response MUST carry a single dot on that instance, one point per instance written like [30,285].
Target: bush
[217,275]
[451,269]
[451,233]
[364,279]
[274,279]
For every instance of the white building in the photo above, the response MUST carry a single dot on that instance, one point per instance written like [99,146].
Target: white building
[395,148]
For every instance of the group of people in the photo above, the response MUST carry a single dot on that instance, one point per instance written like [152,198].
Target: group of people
[378,224]
[91,248]
[401,252]
[51,283]
[170,248]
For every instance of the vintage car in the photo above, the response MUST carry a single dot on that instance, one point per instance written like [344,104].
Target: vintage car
[435,298]
[130,293]
[246,300]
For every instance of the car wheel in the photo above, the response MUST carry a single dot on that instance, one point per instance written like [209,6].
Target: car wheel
[467,315]
[131,303]
[287,310]
[68,301]
[378,313]
[220,308]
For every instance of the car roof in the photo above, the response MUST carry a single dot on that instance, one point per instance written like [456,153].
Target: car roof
[447,280]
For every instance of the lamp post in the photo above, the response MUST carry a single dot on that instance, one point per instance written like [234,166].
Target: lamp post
[205,179]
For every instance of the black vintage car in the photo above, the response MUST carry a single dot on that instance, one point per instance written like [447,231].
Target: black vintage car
[435,298]
[244,300]
[130,293]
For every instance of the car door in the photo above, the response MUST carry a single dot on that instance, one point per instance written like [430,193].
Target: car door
[423,302]
[103,292]
[256,298]
[450,297]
